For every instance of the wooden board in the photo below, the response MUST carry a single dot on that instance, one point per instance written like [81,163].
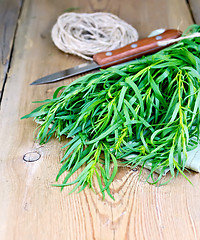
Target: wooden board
[9,13]
[195,6]
[30,207]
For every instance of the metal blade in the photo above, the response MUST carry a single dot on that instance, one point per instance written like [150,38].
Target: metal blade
[85,67]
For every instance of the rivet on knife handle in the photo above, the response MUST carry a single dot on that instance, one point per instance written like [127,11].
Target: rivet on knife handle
[134,50]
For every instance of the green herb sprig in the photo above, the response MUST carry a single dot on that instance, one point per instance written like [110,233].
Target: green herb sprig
[150,107]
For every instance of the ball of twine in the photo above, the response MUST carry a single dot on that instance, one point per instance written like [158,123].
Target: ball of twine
[85,34]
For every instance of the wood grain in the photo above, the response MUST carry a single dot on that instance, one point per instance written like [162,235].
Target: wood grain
[30,207]
[9,13]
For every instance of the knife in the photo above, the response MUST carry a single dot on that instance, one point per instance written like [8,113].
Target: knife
[110,58]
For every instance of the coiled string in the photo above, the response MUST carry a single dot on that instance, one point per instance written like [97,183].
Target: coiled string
[85,34]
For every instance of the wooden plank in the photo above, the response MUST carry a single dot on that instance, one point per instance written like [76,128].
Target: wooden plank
[30,207]
[195,6]
[9,12]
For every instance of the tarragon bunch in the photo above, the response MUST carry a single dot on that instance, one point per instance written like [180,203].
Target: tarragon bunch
[149,108]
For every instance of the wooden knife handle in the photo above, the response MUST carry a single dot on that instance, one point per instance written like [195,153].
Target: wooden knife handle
[135,50]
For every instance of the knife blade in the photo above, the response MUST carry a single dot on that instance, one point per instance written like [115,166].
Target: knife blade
[110,58]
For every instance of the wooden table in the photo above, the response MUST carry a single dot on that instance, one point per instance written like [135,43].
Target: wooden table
[30,208]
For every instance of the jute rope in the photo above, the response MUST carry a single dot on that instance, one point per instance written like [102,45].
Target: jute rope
[85,34]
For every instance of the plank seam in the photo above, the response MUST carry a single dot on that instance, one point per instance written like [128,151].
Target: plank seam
[190,10]
[11,52]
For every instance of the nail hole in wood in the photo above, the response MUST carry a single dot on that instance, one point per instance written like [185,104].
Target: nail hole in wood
[31,156]
[134,169]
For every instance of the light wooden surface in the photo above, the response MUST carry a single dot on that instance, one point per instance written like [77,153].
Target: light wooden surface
[9,13]
[30,208]
[195,7]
